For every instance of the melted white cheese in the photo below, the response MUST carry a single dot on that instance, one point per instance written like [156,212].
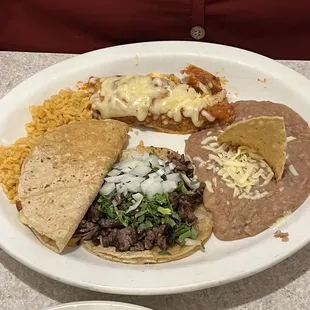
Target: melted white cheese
[140,96]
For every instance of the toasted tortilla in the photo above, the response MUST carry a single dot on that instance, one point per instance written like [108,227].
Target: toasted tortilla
[155,256]
[63,174]
[266,135]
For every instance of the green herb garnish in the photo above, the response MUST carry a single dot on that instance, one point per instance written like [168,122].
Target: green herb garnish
[150,213]
[164,211]
[168,220]
[185,190]
[194,233]
[185,235]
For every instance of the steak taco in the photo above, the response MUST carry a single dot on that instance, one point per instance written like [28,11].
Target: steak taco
[149,210]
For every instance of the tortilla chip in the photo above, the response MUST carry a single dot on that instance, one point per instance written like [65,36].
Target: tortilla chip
[265,135]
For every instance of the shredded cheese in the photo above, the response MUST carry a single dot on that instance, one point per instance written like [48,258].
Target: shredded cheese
[200,160]
[208,139]
[293,171]
[290,138]
[241,168]
[209,186]
[208,116]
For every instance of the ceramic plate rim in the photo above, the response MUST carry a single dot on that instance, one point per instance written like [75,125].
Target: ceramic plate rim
[125,306]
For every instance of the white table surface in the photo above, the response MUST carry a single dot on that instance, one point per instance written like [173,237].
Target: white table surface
[283,287]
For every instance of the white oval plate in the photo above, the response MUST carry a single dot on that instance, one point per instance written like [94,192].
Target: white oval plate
[250,76]
[97,305]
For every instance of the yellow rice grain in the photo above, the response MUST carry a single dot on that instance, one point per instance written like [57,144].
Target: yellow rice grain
[66,107]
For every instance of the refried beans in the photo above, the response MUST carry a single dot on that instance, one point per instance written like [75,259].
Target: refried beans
[236,218]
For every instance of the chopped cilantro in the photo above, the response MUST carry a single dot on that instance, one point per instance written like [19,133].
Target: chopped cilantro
[185,190]
[185,235]
[165,211]
[168,220]
[150,213]
[194,233]
[146,225]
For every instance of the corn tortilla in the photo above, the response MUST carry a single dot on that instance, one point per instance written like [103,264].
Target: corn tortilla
[154,256]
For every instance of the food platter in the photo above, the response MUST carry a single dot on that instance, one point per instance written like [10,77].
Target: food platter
[246,76]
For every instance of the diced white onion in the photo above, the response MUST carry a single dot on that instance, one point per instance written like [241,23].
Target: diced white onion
[171,166]
[128,163]
[114,172]
[134,186]
[174,177]
[128,177]
[191,242]
[153,175]
[114,179]
[136,204]
[150,187]
[154,161]
[167,170]
[141,170]
[160,172]
[121,189]
[169,186]
[107,189]
[135,175]
[161,162]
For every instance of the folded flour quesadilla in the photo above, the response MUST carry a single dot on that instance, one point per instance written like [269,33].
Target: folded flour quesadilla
[63,174]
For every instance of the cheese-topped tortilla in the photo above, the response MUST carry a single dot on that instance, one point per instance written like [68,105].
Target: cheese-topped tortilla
[162,101]
[63,174]
[137,95]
